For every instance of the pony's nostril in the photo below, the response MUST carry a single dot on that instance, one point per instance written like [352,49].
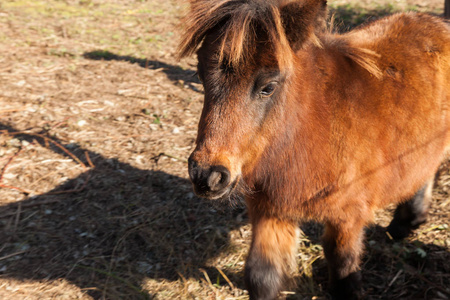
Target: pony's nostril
[214,180]
[208,180]
[225,179]
[218,178]
[193,168]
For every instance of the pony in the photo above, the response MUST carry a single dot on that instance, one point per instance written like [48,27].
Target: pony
[309,124]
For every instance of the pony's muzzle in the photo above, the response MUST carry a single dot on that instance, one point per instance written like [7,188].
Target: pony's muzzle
[209,182]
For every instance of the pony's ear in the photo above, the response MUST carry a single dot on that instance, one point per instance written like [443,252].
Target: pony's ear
[301,19]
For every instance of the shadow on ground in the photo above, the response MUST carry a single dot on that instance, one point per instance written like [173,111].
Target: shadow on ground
[123,225]
[174,73]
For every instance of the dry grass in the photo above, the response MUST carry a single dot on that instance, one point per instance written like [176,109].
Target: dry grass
[97,120]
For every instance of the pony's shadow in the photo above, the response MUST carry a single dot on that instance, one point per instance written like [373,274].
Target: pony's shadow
[111,228]
[173,72]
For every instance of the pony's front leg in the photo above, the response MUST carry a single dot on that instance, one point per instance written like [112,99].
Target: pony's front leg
[343,244]
[271,257]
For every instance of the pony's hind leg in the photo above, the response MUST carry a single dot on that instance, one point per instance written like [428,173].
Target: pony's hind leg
[411,214]
[271,257]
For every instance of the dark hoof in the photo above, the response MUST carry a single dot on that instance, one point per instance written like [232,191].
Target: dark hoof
[399,230]
[348,288]
[262,279]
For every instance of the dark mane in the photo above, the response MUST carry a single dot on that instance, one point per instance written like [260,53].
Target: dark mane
[238,20]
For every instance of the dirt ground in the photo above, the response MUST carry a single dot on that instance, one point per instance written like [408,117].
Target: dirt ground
[97,120]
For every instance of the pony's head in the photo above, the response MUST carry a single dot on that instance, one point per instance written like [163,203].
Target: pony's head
[246,61]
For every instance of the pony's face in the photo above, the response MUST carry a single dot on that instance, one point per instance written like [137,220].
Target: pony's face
[246,63]
[242,104]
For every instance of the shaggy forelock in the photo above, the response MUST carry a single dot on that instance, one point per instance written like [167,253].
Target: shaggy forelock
[238,20]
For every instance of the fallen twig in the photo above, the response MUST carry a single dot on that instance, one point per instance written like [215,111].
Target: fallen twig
[16,221]
[12,255]
[46,140]
[7,163]
[207,278]
[27,192]
[88,159]
[392,281]
[2,111]
[73,190]
[226,278]
[63,149]
[157,157]
[120,137]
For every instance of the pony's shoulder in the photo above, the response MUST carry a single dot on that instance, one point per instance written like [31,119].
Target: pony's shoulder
[409,29]
[400,38]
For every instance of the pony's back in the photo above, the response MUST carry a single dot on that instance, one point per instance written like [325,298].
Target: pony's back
[389,105]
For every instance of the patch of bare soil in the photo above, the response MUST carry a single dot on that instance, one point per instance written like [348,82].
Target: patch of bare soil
[97,119]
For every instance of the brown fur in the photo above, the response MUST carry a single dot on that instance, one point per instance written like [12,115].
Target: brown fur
[356,121]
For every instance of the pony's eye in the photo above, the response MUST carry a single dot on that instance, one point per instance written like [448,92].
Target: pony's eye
[268,90]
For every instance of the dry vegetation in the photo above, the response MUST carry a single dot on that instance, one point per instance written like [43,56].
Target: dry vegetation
[97,120]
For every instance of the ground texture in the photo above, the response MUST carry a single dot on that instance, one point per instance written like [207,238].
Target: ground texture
[97,120]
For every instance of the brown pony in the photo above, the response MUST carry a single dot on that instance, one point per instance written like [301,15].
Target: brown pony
[318,126]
